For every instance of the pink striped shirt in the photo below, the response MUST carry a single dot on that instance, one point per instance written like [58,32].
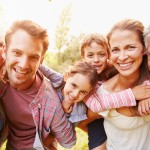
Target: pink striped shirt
[100,102]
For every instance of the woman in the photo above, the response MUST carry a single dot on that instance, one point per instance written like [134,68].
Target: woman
[126,130]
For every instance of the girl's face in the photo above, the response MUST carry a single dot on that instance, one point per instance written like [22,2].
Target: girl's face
[96,55]
[77,87]
[126,52]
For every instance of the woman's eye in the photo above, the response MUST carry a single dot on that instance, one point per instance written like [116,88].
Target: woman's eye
[131,48]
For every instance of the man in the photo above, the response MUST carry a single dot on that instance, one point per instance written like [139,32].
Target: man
[32,108]
[147,44]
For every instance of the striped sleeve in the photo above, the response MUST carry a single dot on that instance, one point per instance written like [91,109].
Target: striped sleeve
[100,102]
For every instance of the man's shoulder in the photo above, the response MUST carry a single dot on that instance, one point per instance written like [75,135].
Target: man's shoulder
[52,94]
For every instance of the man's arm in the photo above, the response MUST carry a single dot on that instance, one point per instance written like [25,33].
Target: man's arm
[55,77]
[62,128]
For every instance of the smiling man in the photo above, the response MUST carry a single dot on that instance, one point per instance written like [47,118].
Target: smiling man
[32,107]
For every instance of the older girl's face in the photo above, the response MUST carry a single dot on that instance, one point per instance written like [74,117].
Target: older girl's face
[126,52]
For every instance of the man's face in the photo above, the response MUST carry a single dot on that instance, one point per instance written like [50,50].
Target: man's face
[148,53]
[23,57]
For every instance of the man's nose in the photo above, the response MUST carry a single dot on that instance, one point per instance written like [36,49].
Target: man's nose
[24,62]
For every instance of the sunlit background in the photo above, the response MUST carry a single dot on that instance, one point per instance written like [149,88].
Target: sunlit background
[86,15]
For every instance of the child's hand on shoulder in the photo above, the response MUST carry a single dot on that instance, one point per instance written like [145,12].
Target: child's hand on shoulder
[67,107]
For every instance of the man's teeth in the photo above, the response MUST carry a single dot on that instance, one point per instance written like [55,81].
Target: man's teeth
[21,72]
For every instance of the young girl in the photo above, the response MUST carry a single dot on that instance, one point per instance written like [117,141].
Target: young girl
[80,79]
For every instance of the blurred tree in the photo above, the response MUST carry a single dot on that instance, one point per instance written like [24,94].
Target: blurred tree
[67,45]
[62,30]
[71,53]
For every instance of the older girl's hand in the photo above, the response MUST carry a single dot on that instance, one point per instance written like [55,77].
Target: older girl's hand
[144,107]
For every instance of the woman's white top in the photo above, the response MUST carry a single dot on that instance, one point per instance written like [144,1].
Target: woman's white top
[126,133]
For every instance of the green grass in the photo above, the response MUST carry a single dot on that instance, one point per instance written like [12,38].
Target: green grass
[82,140]
[3,147]
[81,144]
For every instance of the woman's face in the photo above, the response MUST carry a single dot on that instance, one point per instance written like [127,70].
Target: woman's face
[126,51]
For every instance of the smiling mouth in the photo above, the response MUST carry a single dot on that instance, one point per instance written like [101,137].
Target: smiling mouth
[71,98]
[125,65]
[97,67]
[21,72]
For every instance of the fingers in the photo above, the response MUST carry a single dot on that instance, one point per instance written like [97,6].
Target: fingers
[67,107]
[69,110]
[144,107]
[141,92]
[146,83]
